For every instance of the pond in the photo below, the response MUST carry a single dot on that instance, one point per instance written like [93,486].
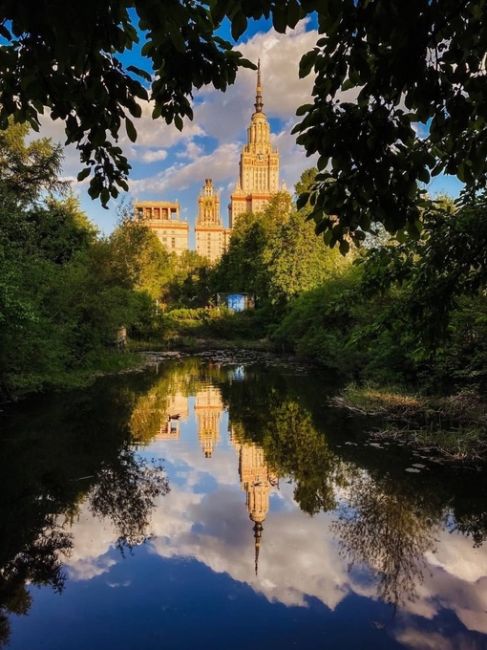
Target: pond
[221,503]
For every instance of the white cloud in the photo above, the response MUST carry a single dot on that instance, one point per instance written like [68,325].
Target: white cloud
[92,541]
[224,116]
[156,133]
[220,117]
[220,165]
[191,151]
[152,155]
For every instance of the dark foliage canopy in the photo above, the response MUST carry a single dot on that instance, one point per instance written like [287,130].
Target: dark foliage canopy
[398,63]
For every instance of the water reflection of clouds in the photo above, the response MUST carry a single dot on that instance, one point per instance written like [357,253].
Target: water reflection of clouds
[299,557]
[92,542]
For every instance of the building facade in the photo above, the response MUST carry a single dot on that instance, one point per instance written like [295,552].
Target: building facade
[211,237]
[163,217]
[259,165]
[258,182]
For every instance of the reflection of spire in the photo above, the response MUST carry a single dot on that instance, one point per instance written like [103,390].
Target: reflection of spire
[258,528]
[257,480]
[259,100]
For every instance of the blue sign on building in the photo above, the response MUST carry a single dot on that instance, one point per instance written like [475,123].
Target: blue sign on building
[236,301]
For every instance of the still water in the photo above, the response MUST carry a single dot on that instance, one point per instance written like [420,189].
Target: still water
[223,505]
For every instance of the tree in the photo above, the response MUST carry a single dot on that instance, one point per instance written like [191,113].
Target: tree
[139,259]
[242,268]
[275,255]
[190,282]
[27,170]
[68,58]
[63,292]
[404,63]
[439,269]
[416,73]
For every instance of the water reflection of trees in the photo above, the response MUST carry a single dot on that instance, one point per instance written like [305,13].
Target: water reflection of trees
[391,519]
[266,408]
[383,530]
[39,563]
[294,448]
[80,453]
[125,494]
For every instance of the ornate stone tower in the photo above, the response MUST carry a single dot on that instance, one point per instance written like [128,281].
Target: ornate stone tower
[211,236]
[259,164]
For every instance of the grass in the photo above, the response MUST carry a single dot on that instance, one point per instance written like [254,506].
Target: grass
[197,344]
[190,343]
[454,427]
[217,322]
[103,363]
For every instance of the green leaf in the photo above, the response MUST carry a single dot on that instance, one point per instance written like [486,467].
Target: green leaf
[131,132]
[84,173]
[302,200]
[293,13]
[305,108]
[279,18]
[307,62]
[178,122]
[139,72]
[239,25]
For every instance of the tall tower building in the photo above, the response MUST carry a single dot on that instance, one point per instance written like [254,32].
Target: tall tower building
[211,236]
[259,164]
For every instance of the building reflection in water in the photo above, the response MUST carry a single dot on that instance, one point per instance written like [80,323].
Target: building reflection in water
[208,409]
[177,412]
[256,478]
[257,481]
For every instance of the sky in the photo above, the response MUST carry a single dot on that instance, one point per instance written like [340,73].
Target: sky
[169,165]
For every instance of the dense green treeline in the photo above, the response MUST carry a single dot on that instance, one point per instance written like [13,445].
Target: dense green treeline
[408,311]
[64,289]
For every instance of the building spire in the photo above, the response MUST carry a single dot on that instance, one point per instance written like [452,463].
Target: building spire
[259,101]
[258,528]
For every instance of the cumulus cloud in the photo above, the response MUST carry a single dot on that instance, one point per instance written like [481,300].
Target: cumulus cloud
[224,116]
[191,151]
[298,558]
[152,155]
[92,542]
[154,137]
[220,164]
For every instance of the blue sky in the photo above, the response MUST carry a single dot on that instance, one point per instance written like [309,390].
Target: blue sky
[172,165]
